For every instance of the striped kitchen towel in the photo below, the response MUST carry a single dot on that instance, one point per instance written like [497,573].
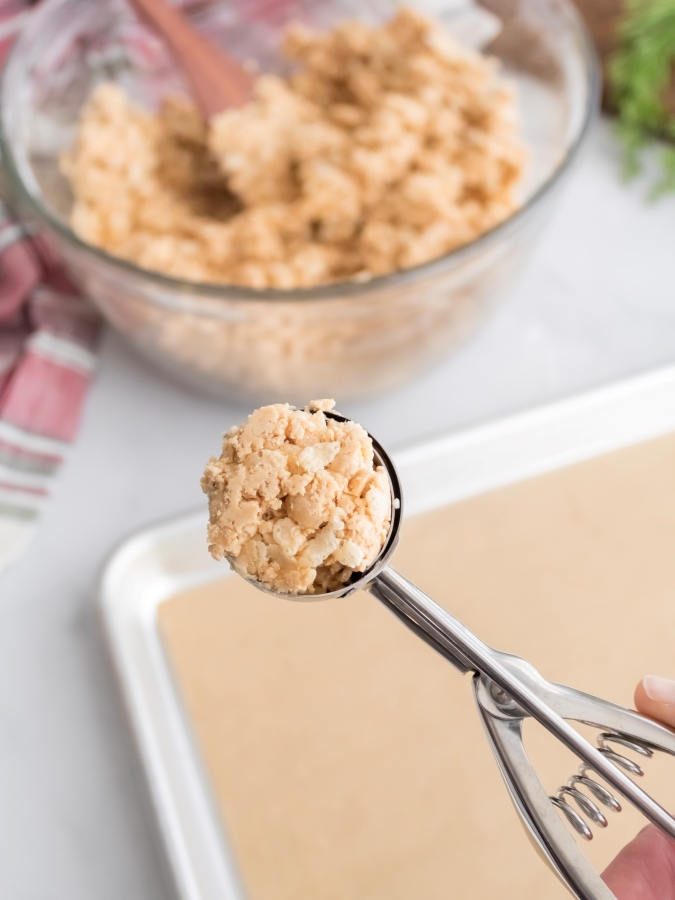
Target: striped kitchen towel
[47,340]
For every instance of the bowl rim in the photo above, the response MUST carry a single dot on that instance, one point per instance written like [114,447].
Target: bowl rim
[187,292]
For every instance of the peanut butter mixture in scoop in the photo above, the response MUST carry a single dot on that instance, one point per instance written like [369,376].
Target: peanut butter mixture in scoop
[296,500]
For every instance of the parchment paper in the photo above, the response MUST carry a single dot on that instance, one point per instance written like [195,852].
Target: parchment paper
[348,760]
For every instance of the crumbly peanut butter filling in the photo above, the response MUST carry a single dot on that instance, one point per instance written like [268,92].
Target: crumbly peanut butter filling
[386,148]
[296,500]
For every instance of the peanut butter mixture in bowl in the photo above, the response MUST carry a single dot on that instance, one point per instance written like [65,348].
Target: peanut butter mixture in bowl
[296,501]
[342,233]
[386,147]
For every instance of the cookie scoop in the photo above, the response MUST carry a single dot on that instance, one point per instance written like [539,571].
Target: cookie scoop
[264,500]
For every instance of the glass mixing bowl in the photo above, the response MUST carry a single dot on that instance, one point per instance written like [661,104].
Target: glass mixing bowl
[344,340]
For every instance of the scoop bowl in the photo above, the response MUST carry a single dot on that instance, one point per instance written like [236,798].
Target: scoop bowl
[360,580]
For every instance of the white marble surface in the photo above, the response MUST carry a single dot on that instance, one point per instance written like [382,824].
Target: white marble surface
[597,304]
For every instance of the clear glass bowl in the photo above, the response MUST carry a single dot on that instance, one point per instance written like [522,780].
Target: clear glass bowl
[345,340]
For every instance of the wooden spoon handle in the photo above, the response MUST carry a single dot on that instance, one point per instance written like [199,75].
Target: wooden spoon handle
[217,80]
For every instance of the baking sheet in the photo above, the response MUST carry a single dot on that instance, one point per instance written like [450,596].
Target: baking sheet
[570,596]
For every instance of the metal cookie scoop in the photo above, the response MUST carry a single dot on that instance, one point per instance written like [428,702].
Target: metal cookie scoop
[508,690]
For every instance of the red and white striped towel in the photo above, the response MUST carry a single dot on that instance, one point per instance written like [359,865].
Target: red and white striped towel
[47,340]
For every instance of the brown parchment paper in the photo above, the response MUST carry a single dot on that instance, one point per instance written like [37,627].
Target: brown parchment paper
[347,759]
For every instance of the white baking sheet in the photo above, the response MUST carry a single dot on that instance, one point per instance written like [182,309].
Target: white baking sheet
[161,561]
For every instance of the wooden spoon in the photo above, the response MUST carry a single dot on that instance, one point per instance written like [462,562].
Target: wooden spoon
[217,80]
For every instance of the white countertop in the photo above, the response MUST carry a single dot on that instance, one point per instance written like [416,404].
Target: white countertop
[597,304]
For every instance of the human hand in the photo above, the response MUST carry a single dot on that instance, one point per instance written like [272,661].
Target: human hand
[645,868]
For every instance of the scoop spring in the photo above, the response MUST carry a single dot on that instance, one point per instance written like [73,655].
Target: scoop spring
[585,804]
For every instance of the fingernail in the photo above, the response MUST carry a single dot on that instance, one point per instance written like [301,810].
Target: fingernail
[661,690]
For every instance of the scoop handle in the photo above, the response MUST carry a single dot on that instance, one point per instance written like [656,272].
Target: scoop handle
[420,614]
[523,694]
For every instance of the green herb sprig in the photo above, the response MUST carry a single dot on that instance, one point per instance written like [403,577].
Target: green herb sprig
[639,75]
